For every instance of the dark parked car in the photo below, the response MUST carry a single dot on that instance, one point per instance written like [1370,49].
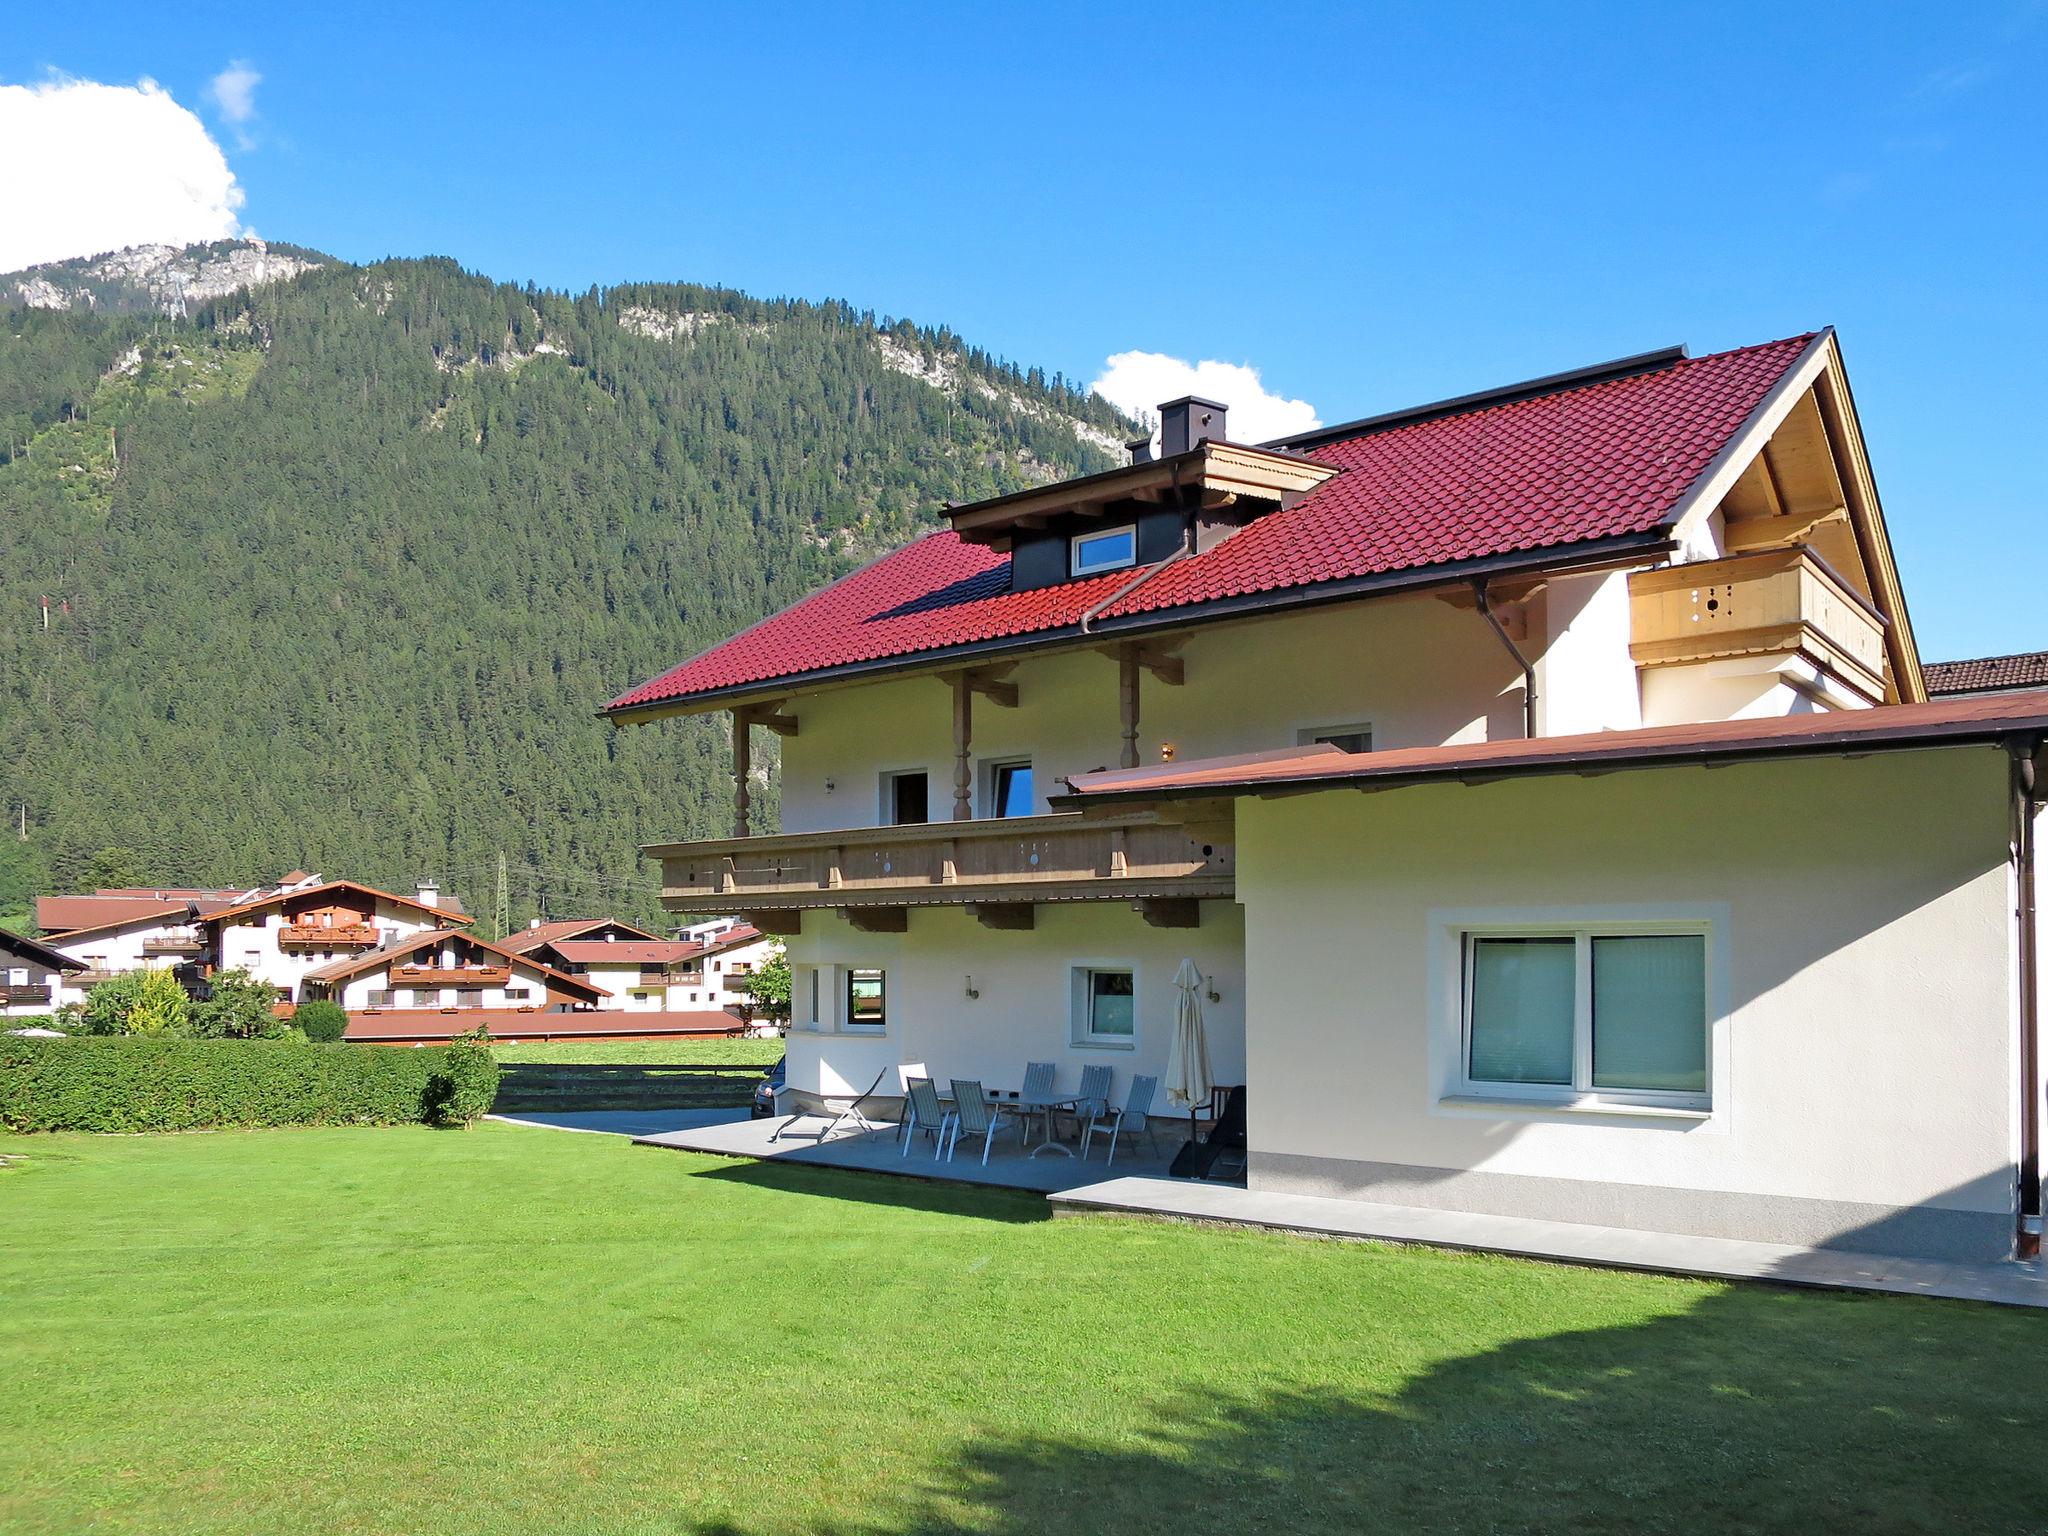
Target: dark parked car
[765,1090]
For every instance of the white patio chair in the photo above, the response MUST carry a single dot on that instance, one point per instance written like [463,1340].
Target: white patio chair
[1038,1077]
[905,1073]
[973,1116]
[1096,1083]
[1111,1120]
[922,1111]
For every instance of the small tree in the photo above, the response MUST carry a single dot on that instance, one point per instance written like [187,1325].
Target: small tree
[239,1007]
[322,1019]
[161,1007]
[769,986]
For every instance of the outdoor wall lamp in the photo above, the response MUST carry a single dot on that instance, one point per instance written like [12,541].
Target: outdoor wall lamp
[1166,752]
[830,786]
[971,991]
[1211,993]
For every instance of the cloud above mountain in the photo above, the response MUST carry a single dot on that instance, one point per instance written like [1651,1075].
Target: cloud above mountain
[1138,383]
[113,166]
[233,94]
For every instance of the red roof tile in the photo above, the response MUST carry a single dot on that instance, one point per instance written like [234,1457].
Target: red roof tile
[2026,669]
[405,1026]
[1599,460]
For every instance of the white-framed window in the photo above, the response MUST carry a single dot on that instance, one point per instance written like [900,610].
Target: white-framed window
[906,797]
[1356,737]
[1105,1006]
[1006,787]
[1108,549]
[383,997]
[1595,1014]
[867,1000]
[518,994]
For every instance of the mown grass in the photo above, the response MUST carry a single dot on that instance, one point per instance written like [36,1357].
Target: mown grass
[515,1330]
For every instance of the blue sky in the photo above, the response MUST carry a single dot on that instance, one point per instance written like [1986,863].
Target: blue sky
[1373,207]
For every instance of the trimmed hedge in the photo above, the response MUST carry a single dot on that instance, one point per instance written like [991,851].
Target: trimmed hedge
[322,1019]
[132,1083]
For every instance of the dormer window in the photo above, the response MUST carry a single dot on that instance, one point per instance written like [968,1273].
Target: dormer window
[1112,549]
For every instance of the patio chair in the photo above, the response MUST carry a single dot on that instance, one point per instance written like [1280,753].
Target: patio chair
[1136,1113]
[905,1073]
[852,1113]
[974,1116]
[1225,1143]
[1038,1077]
[1096,1083]
[922,1111]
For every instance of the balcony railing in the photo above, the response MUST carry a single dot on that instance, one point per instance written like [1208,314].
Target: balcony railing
[25,997]
[1004,861]
[177,941]
[327,936]
[1780,601]
[450,975]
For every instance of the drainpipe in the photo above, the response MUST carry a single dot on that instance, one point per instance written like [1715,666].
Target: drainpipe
[2023,753]
[1485,600]
[1187,547]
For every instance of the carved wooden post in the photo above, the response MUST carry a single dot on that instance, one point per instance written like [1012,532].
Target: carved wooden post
[1127,702]
[742,769]
[963,740]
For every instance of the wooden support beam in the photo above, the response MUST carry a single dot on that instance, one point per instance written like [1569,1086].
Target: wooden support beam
[989,683]
[742,771]
[877,919]
[783,922]
[1007,916]
[769,717]
[1170,911]
[1127,704]
[963,744]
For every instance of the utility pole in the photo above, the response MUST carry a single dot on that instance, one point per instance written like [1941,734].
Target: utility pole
[501,907]
[24,821]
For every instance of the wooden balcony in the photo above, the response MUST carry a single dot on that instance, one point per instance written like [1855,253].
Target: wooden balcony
[450,975]
[1785,602]
[173,942]
[25,997]
[327,936]
[1000,866]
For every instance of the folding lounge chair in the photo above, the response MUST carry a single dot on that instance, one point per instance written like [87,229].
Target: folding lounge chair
[1224,1144]
[852,1114]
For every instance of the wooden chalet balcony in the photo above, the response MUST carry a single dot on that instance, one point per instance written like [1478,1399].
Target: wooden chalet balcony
[177,941]
[25,997]
[327,936]
[1780,601]
[1001,866]
[450,975]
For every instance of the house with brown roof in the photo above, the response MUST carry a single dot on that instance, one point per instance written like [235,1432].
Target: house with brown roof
[707,968]
[31,975]
[1542,782]
[112,930]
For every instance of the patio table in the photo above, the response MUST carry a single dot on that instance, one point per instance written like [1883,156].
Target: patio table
[1040,1104]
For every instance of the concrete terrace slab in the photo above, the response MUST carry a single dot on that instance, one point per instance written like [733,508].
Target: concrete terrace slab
[622,1122]
[2010,1284]
[878,1152]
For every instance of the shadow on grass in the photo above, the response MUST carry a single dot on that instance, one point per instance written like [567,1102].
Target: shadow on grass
[863,1186]
[1754,1410]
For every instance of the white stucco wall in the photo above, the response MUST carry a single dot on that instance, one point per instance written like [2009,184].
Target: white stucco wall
[1865,1065]
[112,951]
[1022,1013]
[251,943]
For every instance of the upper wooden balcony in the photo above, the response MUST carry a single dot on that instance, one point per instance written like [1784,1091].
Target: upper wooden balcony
[1784,602]
[12,996]
[450,975]
[174,941]
[327,936]
[1000,866]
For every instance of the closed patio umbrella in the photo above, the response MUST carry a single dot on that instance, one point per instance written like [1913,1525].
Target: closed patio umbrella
[1188,1083]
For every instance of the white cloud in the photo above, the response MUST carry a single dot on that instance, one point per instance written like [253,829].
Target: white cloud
[1138,383]
[233,94]
[100,167]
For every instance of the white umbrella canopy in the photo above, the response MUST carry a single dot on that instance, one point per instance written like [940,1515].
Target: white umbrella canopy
[1188,1082]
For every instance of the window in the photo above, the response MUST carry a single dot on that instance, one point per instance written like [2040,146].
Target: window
[1110,550]
[518,994]
[814,998]
[1105,1006]
[1007,789]
[906,799]
[1345,738]
[469,997]
[17,976]
[1587,1014]
[383,997]
[867,1004]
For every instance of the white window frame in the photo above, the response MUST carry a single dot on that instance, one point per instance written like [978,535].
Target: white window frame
[1081,540]
[990,777]
[846,1023]
[1450,1004]
[886,809]
[1305,736]
[1080,1033]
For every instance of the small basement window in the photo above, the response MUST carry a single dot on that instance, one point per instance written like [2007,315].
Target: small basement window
[1112,549]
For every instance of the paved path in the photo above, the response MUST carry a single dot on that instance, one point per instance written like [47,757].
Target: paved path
[2013,1284]
[624,1122]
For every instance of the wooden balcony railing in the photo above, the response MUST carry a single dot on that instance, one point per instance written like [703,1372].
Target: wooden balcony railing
[450,975]
[1779,601]
[25,997]
[998,862]
[174,942]
[327,936]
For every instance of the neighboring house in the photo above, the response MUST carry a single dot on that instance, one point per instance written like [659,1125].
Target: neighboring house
[706,967]
[110,931]
[31,975]
[1987,675]
[447,971]
[540,932]
[1542,782]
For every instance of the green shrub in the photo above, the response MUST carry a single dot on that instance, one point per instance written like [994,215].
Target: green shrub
[321,1019]
[108,1004]
[239,1007]
[90,1083]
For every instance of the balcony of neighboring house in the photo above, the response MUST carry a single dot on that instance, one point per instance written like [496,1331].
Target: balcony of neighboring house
[308,934]
[430,976]
[174,941]
[24,996]
[1775,607]
[999,867]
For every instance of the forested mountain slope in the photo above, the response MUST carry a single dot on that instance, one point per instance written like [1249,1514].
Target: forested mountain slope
[339,568]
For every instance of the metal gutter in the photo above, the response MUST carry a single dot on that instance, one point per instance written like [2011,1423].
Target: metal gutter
[1500,630]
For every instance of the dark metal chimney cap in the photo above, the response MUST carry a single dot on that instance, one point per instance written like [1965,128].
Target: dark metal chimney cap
[1189,421]
[1140,449]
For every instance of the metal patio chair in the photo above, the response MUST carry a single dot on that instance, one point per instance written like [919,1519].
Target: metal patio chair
[905,1073]
[974,1116]
[1096,1083]
[1038,1077]
[1110,1120]
[922,1111]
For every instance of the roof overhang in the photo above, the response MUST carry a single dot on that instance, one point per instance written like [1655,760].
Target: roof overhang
[1216,469]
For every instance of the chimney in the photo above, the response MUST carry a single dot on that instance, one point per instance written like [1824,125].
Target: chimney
[1188,422]
[429,892]
[1141,449]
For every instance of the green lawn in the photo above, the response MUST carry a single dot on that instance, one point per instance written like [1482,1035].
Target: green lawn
[517,1330]
[763,1053]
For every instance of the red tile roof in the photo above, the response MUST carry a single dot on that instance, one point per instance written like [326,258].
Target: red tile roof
[1594,461]
[58,915]
[1957,722]
[626,951]
[2026,669]
[405,1026]
[527,940]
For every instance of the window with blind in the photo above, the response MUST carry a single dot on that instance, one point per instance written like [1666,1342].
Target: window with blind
[1587,1013]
